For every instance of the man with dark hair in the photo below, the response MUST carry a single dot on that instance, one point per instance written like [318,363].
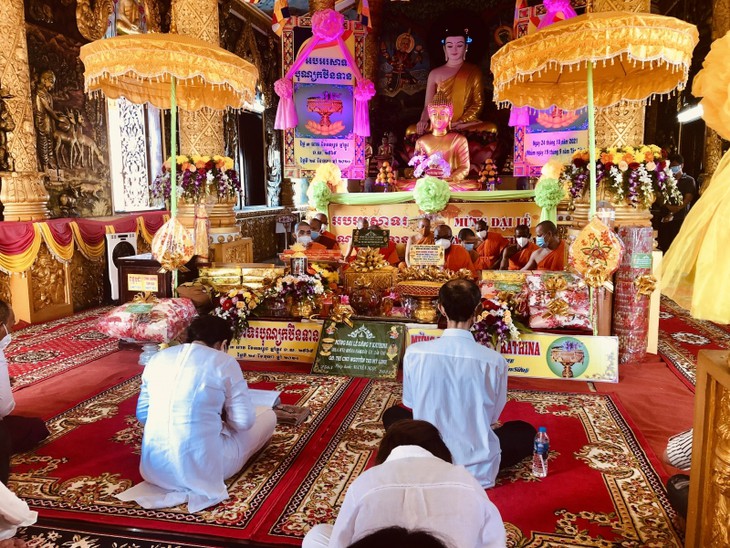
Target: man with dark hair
[515,256]
[460,386]
[17,434]
[456,257]
[200,425]
[413,484]
[671,217]
[551,255]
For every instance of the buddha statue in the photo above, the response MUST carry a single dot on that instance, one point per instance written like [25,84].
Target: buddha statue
[454,147]
[462,84]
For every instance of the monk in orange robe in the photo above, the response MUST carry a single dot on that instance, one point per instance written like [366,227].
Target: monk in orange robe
[322,218]
[516,255]
[551,255]
[303,234]
[456,256]
[318,235]
[424,237]
[389,252]
[490,250]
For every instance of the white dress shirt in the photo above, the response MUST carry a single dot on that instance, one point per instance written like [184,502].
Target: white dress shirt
[460,387]
[187,446]
[7,402]
[415,490]
[14,513]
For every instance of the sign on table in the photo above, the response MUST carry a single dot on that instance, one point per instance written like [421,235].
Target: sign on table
[371,237]
[426,255]
[367,349]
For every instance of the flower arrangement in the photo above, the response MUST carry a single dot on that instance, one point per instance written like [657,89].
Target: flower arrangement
[498,322]
[300,288]
[489,175]
[235,306]
[331,174]
[330,278]
[632,174]
[423,163]
[431,194]
[198,176]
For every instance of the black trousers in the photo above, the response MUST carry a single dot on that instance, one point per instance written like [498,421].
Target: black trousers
[17,435]
[515,437]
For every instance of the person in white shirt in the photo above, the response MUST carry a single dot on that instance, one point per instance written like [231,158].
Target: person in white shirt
[17,434]
[200,426]
[400,537]
[14,513]
[414,485]
[460,386]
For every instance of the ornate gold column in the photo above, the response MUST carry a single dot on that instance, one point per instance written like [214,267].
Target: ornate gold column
[23,193]
[200,132]
[372,40]
[620,126]
[316,5]
[713,142]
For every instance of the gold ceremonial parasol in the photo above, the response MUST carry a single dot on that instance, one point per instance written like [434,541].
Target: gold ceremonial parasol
[630,57]
[168,71]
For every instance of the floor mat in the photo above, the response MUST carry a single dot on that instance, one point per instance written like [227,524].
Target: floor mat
[681,337]
[41,351]
[602,488]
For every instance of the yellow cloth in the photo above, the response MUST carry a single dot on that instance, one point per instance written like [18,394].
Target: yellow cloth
[637,55]
[711,83]
[140,68]
[697,264]
[465,91]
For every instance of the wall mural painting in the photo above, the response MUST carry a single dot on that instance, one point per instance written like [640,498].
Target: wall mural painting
[71,131]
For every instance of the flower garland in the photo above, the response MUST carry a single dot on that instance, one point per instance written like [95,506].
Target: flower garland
[632,174]
[198,176]
[235,306]
[431,194]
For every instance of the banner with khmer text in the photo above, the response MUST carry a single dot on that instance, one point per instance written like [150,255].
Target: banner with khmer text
[266,341]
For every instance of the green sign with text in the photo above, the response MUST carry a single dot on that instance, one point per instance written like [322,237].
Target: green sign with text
[371,237]
[367,349]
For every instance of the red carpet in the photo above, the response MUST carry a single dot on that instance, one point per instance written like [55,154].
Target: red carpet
[681,337]
[602,489]
[44,350]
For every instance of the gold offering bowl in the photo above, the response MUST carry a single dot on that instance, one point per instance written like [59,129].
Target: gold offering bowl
[424,292]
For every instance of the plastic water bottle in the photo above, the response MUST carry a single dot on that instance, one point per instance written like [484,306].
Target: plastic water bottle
[540,452]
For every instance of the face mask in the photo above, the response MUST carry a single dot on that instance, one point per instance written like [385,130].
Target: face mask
[482,234]
[540,240]
[444,242]
[522,242]
[676,169]
[304,240]
[468,247]
[315,234]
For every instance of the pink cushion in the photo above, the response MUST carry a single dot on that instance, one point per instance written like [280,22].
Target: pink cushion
[162,322]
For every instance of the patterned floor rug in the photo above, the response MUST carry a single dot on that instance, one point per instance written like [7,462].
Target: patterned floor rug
[681,337]
[602,489]
[41,351]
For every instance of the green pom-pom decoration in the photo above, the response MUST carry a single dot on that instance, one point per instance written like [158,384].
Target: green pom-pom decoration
[320,195]
[548,194]
[431,194]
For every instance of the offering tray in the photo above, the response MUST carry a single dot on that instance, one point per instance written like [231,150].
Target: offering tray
[425,292]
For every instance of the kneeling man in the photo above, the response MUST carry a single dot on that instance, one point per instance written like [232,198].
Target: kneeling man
[200,426]
[460,387]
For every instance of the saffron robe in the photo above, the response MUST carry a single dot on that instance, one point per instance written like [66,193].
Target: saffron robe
[490,250]
[555,260]
[522,257]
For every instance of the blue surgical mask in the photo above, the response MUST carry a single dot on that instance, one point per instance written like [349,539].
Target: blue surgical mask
[306,239]
[468,247]
[315,234]
[540,240]
[675,169]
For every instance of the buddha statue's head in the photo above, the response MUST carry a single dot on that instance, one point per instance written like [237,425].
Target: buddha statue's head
[440,112]
[456,44]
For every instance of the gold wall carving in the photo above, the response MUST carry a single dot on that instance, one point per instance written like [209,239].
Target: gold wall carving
[201,132]
[87,281]
[261,227]
[624,125]
[316,5]
[23,196]
[48,281]
[92,17]
[5,295]
[708,517]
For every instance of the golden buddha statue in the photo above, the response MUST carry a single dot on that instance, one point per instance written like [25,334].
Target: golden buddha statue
[462,84]
[453,147]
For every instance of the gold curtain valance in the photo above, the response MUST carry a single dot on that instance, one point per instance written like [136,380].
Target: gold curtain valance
[140,68]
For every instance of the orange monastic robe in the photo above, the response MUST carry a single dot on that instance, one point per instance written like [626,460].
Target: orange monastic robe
[555,260]
[457,258]
[329,235]
[490,250]
[424,240]
[522,257]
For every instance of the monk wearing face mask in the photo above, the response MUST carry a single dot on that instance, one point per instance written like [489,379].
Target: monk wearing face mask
[424,237]
[456,256]
[491,247]
[517,255]
[551,255]
[470,242]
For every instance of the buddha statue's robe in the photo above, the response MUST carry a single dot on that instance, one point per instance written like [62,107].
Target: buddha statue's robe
[453,147]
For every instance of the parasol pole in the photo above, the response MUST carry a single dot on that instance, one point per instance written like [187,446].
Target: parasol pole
[173,161]
[591,143]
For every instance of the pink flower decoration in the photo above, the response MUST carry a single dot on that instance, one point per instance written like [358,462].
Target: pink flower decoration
[284,88]
[328,25]
[364,90]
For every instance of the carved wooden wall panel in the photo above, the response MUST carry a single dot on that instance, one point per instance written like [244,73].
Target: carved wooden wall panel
[261,227]
[87,282]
